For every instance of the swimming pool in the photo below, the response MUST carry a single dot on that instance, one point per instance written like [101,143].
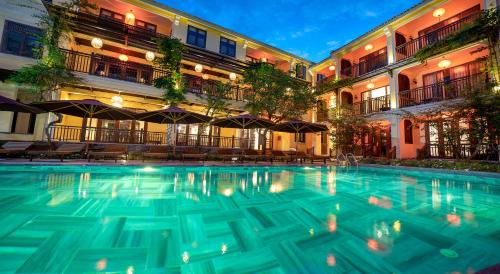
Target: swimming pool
[245,220]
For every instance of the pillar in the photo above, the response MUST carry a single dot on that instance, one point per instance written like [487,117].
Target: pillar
[394,88]
[336,63]
[391,45]
[396,135]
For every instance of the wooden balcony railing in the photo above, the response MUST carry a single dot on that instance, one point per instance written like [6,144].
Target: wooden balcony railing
[410,48]
[444,90]
[62,133]
[366,66]
[372,105]
[462,151]
[105,66]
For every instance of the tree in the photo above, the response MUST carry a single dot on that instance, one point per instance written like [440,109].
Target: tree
[275,94]
[172,82]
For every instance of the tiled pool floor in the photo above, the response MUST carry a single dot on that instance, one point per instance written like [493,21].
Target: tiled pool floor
[245,220]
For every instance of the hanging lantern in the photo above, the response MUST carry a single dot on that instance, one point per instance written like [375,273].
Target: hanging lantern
[205,76]
[130,18]
[370,86]
[150,56]
[232,76]
[123,57]
[331,68]
[198,68]
[96,43]
[117,101]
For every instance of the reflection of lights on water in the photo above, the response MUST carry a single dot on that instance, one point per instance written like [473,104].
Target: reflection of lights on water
[330,260]
[101,264]
[449,198]
[185,257]
[113,191]
[228,192]
[469,216]
[136,190]
[275,188]
[453,219]
[332,222]
[190,177]
[397,226]
[379,234]
[337,206]
[266,177]
[223,249]
[311,231]
[372,244]
[450,253]
[254,178]
[383,202]
[130,270]
[148,169]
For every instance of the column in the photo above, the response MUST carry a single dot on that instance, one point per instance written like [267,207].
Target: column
[336,63]
[396,135]
[391,45]
[394,88]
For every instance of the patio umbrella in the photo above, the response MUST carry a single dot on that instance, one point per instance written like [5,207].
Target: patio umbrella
[244,121]
[173,115]
[7,104]
[87,108]
[297,126]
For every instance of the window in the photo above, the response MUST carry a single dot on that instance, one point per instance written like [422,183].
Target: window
[145,25]
[408,129]
[227,47]
[23,123]
[19,39]
[300,137]
[320,77]
[300,71]
[196,37]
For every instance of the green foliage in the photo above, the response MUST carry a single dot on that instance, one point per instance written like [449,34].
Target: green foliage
[346,129]
[334,84]
[440,164]
[172,83]
[275,94]
[50,73]
[216,99]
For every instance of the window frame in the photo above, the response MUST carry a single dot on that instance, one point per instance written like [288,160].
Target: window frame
[300,137]
[228,46]
[196,31]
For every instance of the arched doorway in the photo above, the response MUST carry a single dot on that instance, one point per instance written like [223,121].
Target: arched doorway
[346,98]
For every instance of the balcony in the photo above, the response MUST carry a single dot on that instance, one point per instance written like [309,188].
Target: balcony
[61,133]
[108,67]
[443,90]
[410,48]
[371,64]
[372,105]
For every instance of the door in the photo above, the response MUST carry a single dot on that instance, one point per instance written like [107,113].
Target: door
[406,98]
[324,143]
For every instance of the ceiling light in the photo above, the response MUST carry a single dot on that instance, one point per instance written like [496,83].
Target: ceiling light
[97,43]
[331,68]
[439,12]
[198,68]
[264,59]
[444,63]
[370,86]
[129,18]
[205,76]
[369,47]
[123,57]
[117,101]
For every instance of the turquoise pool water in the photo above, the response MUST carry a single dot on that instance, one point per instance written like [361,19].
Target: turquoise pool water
[245,220]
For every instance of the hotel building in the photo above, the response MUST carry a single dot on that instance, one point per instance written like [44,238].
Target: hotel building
[112,49]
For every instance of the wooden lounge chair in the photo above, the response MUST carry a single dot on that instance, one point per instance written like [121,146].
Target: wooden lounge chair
[157,152]
[250,154]
[302,157]
[15,147]
[193,153]
[279,155]
[228,154]
[111,151]
[61,152]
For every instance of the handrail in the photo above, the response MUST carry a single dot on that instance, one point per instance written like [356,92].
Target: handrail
[410,48]
[372,105]
[443,90]
[371,64]
[354,160]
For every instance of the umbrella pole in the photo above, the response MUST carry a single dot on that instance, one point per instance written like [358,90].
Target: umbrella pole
[175,136]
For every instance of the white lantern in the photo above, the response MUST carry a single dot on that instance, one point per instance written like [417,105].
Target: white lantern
[232,76]
[129,18]
[205,76]
[117,101]
[96,43]
[264,60]
[150,56]
[331,68]
[123,57]
[198,68]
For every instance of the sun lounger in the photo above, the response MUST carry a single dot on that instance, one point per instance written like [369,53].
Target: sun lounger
[157,152]
[111,151]
[320,158]
[279,155]
[192,153]
[228,154]
[15,147]
[255,155]
[61,152]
